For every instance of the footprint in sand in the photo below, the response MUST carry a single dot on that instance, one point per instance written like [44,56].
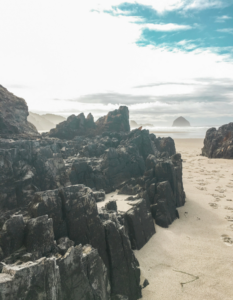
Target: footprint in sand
[229,218]
[220,190]
[229,199]
[229,185]
[231,227]
[228,208]
[227,240]
[214,205]
[201,188]
[217,200]
[218,196]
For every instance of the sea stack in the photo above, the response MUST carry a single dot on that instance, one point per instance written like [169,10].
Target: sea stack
[181,122]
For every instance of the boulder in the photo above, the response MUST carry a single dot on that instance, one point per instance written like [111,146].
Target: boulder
[13,117]
[219,143]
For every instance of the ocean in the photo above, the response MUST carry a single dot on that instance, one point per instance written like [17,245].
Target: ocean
[181,132]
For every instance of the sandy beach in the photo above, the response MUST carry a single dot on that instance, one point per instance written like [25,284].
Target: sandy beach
[192,259]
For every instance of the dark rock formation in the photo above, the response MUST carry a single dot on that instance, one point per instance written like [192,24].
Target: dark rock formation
[73,126]
[32,280]
[12,235]
[39,235]
[219,143]
[114,121]
[48,194]
[164,211]
[13,117]
[181,122]
[140,225]
[124,270]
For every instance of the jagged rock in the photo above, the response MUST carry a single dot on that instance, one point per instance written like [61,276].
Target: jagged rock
[165,146]
[181,122]
[145,283]
[99,195]
[64,244]
[39,235]
[165,170]
[35,178]
[73,126]
[140,225]
[124,270]
[27,167]
[13,117]
[74,282]
[79,274]
[32,280]
[96,273]
[50,203]
[81,215]
[165,211]
[219,143]
[12,235]
[115,121]
[111,205]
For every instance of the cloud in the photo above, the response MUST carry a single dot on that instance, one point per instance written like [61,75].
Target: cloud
[205,4]
[226,30]
[206,90]
[168,27]
[222,19]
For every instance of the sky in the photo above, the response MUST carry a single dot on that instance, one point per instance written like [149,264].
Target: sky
[161,58]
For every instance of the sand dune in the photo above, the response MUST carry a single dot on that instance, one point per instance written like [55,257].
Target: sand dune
[193,258]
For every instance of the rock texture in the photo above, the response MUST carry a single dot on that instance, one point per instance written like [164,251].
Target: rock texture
[13,117]
[219,143]
[181,122]
[116,121]
[54,241]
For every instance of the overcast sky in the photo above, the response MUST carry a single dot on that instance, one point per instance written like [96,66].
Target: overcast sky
[161,58]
